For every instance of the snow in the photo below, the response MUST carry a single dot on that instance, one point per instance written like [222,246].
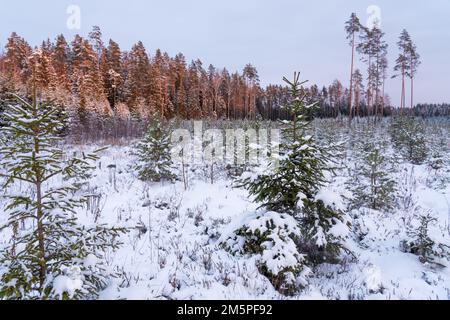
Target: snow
[372,280]
[321,240]
[177,255]
[90,261]
[331,198]
[68,283]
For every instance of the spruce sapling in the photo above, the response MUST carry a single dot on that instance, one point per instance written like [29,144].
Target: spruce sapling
[153,154]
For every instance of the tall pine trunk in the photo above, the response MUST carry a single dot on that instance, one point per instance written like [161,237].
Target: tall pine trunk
[350,110]
[369,90]
[412,83]
[377,89]
[402,103]
[382,98]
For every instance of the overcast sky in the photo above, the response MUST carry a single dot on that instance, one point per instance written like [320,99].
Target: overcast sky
[277,36]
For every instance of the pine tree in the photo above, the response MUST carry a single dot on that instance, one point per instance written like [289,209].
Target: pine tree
[138,82]
[43,74]
[177,85]
[87,80]
[153,155]
[225,89]
[96,38]
[380,53]
[352,26]
[52,255]
[251,77]
[358,91]
[414,63]
[17,53]
[60,61]
[402,66]
[158,92]
[367,49]
[374,50]
[384,64]
[194,92]
[111,68]
[2,108]
[213,90]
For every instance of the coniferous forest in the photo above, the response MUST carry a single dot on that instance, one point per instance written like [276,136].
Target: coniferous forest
[135,175]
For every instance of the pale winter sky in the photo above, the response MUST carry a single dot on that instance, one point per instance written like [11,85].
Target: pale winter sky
[277,36]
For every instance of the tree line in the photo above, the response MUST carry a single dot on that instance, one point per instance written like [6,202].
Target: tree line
[92,78]
[88,76]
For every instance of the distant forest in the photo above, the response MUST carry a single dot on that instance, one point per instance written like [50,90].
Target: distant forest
[94,79]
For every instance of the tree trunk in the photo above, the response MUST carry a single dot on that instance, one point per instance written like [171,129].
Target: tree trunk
[377,89]
[402,103]
[382,101]
[161,111]
[351,83]
[358,107]
[40,231]
[38,185]
[369,91]
[184,172]
[412,82]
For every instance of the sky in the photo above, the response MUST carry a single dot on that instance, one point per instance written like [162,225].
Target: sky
[277,36]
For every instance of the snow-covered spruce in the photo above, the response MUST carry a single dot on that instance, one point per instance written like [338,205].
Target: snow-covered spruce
[438,161]
[179,259]
[422,244]
[372,184]
[291,188]
[408,137]
[273,237]
[153,154]
[50,256]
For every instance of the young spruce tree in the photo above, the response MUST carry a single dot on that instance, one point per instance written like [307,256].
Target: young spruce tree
[299,173]
[372,184]
[153,154]
[408,136]
[51,255]
[295,214]
[422,244]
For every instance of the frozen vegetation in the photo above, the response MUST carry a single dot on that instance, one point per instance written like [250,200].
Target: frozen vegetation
[182,244]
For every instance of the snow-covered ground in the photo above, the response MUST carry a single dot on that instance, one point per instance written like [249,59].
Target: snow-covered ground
[172,249]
